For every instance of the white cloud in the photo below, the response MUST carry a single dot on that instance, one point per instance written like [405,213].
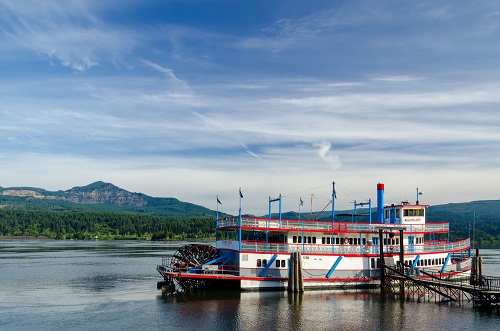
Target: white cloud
[69,32]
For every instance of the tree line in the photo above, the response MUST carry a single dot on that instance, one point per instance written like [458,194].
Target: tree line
[83,225]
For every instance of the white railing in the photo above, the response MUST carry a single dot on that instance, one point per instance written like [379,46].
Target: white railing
[352,249]
[308,225]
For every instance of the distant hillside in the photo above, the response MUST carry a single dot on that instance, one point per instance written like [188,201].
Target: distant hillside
[98,196]
[461,216]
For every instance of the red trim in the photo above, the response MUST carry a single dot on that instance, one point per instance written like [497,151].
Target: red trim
[273,279]
[338,227]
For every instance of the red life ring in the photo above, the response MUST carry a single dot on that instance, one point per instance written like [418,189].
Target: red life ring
[391,248]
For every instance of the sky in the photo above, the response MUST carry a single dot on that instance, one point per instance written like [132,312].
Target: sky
[196,99]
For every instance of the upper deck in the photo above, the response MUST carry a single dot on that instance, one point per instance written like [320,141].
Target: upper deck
[270,224]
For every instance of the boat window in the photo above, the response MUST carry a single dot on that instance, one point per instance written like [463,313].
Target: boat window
[364,241]
[259,263]
[314,240]
[397,241]
[264,263]
[337,240]
[323,240]
[414,212]
[308,240]
[294,239]
[283,263]
[278,263]
[328,240]
[386,213]
[397,213]
[300,239]
[372,262]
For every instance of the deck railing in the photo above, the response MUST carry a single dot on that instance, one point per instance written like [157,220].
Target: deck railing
[308,225]
[352,249]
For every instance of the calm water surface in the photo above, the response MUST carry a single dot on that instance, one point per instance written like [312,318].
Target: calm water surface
[96,285]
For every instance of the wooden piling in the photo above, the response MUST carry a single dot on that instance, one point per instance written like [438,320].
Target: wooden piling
[291,274]
[295,278]
[479,263]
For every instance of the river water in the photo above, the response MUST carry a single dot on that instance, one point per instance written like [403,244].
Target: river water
[111,285]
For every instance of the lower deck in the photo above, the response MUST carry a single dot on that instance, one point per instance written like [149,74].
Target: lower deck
[270,271]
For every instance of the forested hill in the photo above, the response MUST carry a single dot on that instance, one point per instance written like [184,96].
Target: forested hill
[105,211]
[482,216]
[98,196]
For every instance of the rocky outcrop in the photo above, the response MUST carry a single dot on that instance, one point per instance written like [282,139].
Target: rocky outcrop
[105,193]
[95,193]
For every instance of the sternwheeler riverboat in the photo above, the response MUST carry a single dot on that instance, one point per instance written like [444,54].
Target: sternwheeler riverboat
[254,253]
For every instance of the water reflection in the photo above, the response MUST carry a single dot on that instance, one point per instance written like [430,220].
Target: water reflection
[95,285]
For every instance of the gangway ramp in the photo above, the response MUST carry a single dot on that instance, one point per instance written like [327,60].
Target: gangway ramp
[482,291]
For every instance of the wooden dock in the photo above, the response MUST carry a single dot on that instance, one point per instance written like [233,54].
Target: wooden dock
[482,291]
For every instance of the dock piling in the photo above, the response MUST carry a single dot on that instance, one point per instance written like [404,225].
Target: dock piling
[295,278]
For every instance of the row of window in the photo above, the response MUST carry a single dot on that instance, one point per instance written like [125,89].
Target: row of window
[348,241]
[421,263]
[407,212]
[428,262]
[278,263]
[307,240]
[375,263]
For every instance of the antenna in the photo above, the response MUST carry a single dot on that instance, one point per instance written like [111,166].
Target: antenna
[419,193]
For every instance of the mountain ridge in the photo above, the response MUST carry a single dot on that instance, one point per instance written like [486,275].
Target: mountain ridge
[101,195]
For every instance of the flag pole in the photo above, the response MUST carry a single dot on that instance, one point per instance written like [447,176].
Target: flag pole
[311,215]
[217,210]
[240,222]
[300,203]
[239,211]
[334,196]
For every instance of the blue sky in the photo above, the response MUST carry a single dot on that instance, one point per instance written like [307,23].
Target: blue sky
[193,99]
